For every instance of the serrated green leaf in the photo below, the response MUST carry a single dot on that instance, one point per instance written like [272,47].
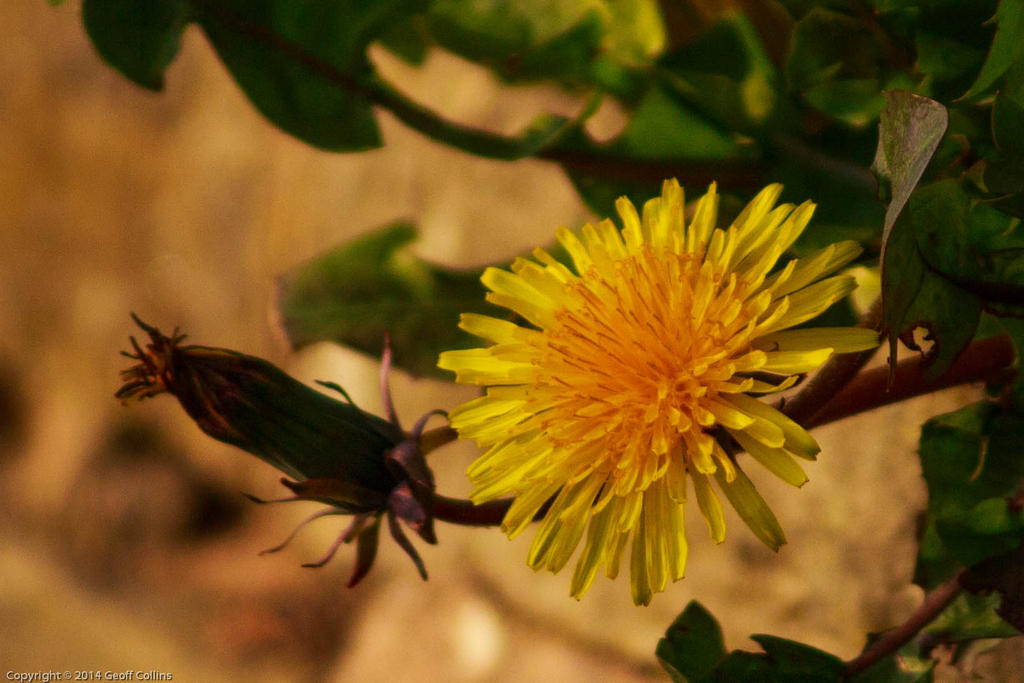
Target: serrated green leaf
[970,617]
[139,38]
[916,296]
[692,646]
[357,293]
[1006,51]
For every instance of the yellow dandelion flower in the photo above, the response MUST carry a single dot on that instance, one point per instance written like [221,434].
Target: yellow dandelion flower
[614,395]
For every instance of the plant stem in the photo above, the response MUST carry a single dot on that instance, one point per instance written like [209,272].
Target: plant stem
[466,513]
[892,640]
[984,360]
[590,161]
[833,376]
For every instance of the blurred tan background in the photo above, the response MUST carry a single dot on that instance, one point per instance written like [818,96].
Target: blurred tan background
[124,542]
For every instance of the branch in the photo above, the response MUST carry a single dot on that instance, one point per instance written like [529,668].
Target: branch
[892,640]
[466,513]
[983,360]
[833,376]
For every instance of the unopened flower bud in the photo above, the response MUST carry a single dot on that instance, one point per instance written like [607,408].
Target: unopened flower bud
[337,454]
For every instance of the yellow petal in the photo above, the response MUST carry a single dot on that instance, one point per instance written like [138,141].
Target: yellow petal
[776,460]
[752,509]
[710,507]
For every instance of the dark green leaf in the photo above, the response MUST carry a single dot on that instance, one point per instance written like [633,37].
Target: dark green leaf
[139,38]
[1008,124]
[915,295]
[829,46]
[662,127]
[792,661]
[692,645]
[303,62]
[1005,575]
[742,667]
[947,63]
[359,292]
[408,39]
[971,463]
[1007,48]
[989,528]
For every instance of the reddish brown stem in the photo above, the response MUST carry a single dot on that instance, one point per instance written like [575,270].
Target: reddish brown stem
[833,376]
[464,512]
[983,360]
[892,640]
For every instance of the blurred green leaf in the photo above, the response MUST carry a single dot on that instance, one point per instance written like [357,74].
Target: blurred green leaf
[1007,48]
[139,38]
[726,73]
[901,667]
[828,46]
[662,127]
[971,463]
[357,293]
[1003,574]
[1008,124]
[407,39]
[692,645]
[970,617]
[302,62]
[561,39]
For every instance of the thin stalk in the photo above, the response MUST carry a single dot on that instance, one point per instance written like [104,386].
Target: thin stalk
[892,640]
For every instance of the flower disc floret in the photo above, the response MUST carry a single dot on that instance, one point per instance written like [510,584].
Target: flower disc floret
[613,397]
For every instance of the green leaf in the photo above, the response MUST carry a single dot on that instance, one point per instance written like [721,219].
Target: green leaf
[139,38]
[916,296]
[1003,574]
[662,127]
[1008,124]
[897,668]
[908,135]
[692,646]
[947,63]
[303,62]
[563,39]
[726,74]
[827,46]
[357,293]
[970,461]
[970,617]
[795,661]
[1007,48]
